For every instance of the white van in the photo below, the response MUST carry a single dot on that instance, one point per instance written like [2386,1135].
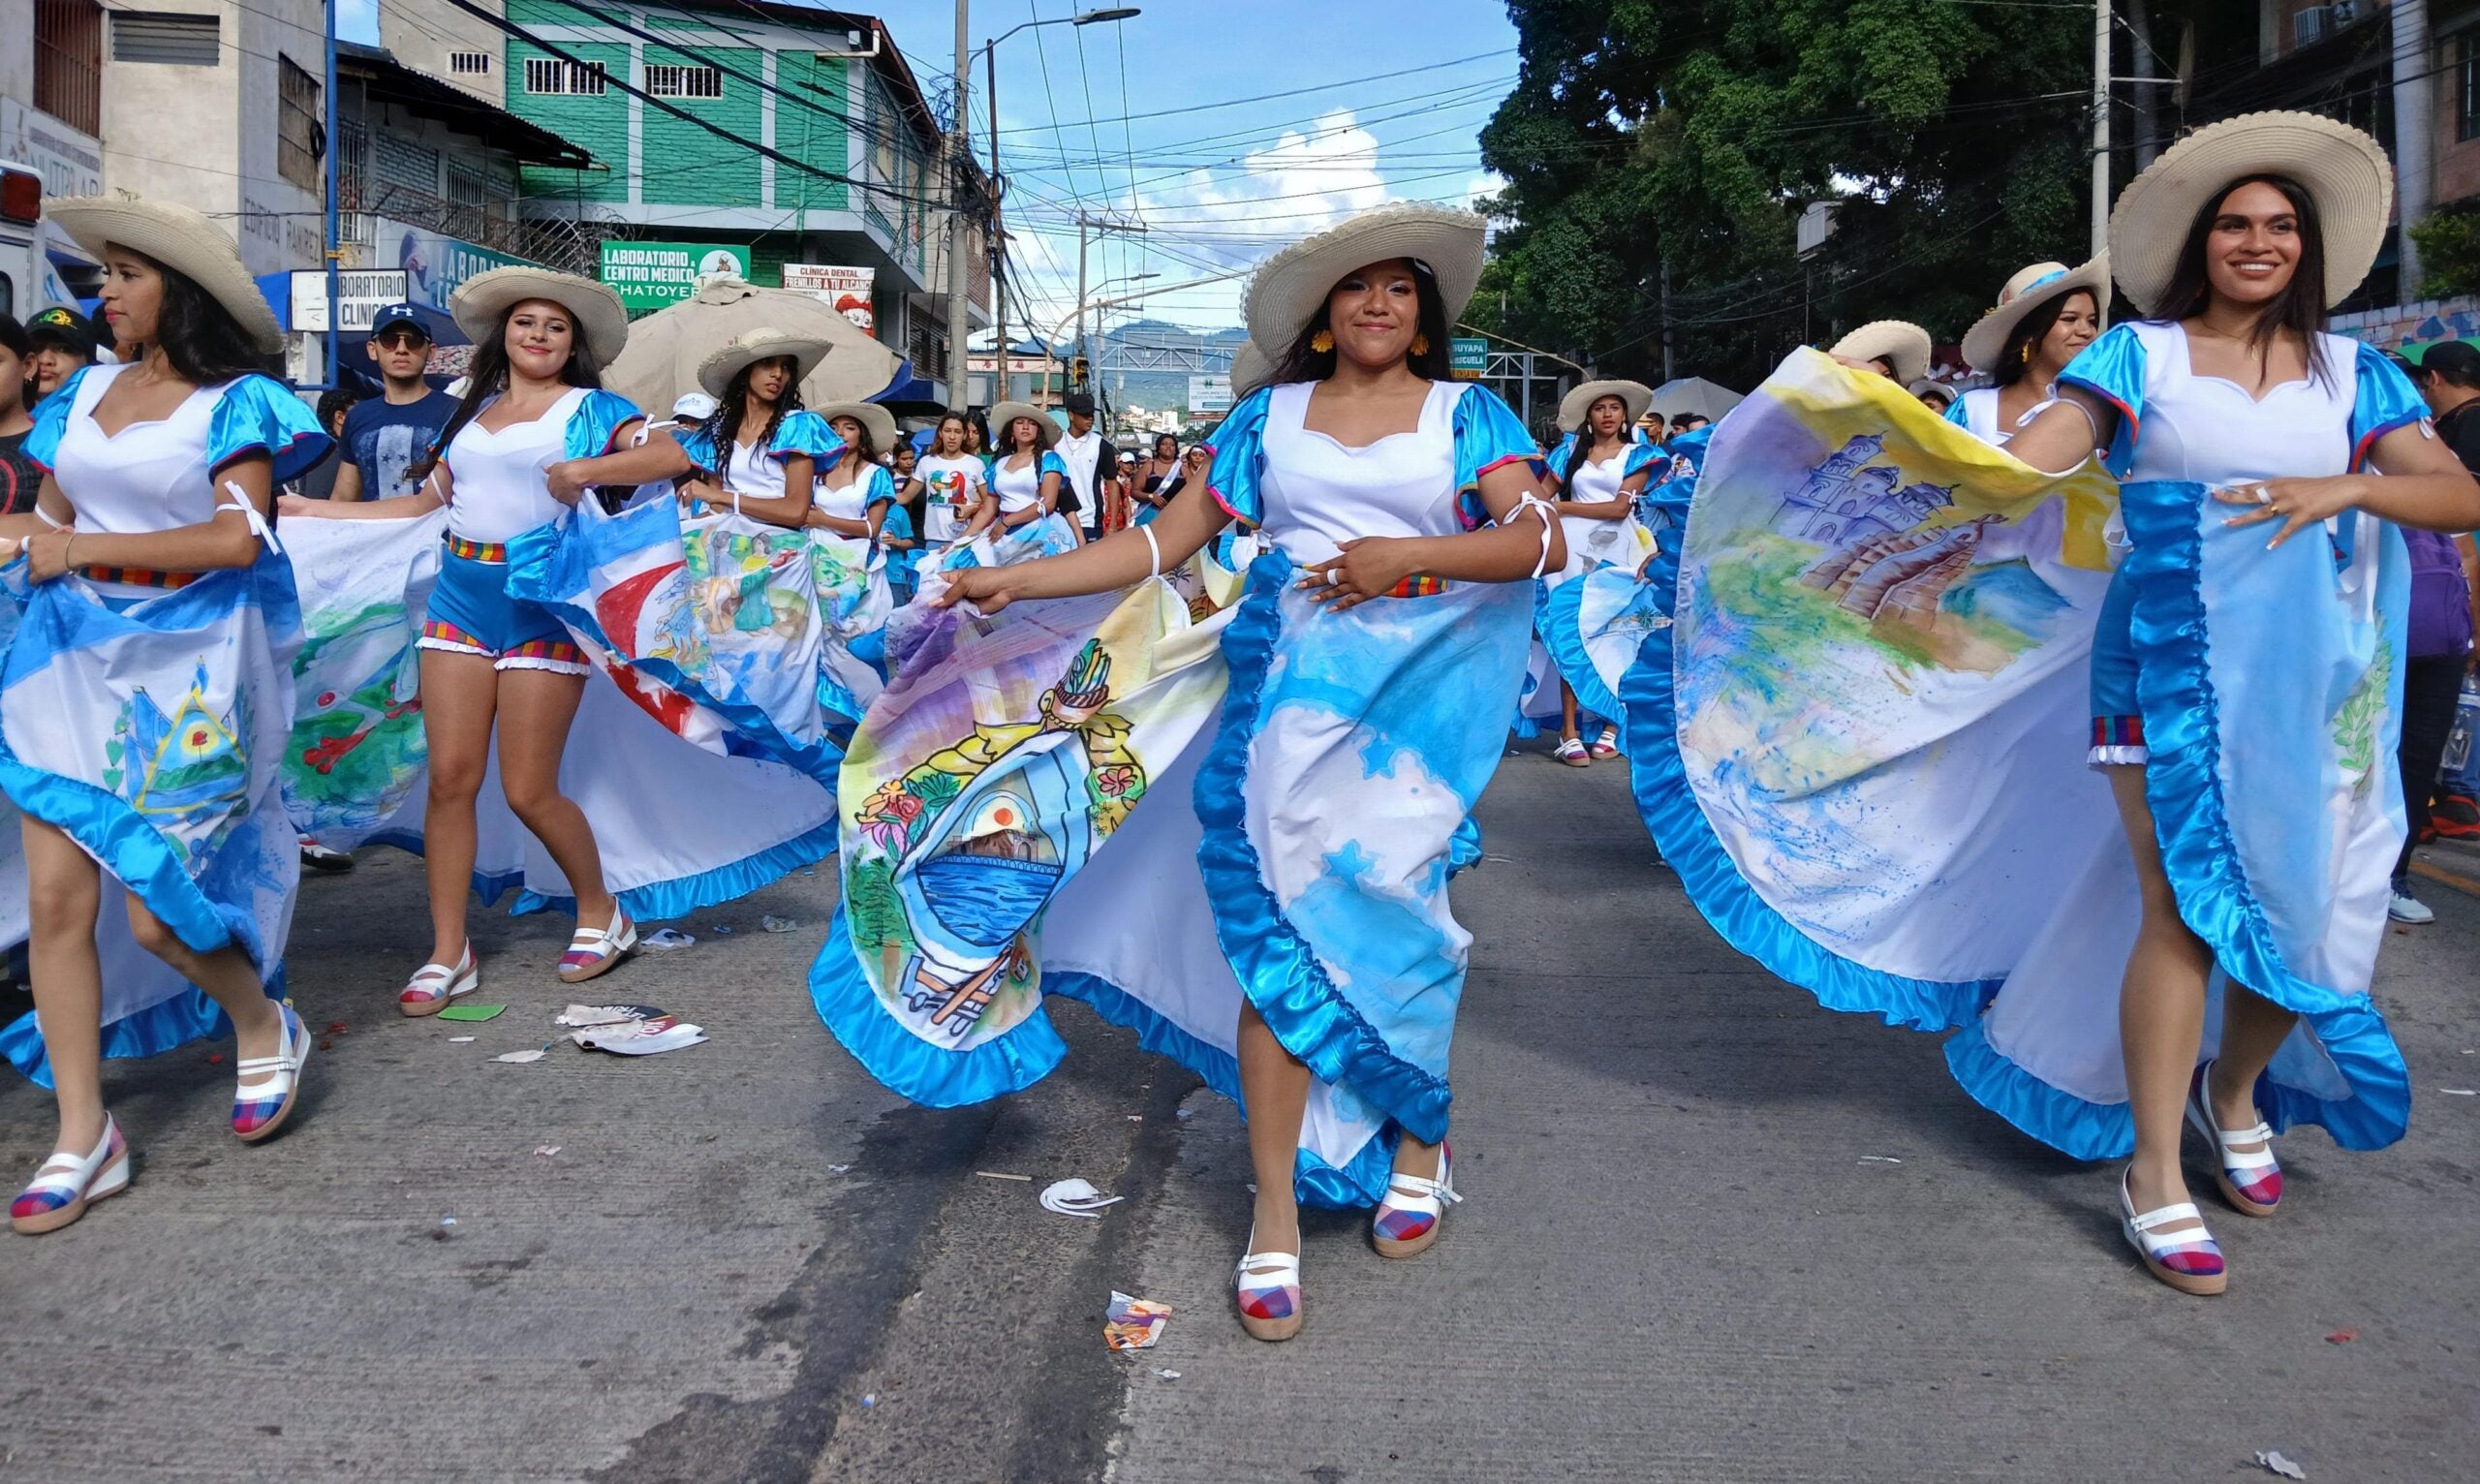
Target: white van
[29,281]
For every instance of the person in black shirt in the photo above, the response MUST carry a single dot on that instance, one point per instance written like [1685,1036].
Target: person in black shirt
[20,477]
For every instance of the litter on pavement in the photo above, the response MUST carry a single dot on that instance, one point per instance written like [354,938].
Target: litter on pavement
[546,1151]
[631,1030]
[534,1055]
[1077,1197]
[471,1012]
[995,1175]
[1133,1323]
[455,1041]
[1880,1159]
[2273,1462]
[775,924]
[667,938]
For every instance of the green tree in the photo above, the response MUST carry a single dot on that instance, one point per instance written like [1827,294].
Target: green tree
[1699,130]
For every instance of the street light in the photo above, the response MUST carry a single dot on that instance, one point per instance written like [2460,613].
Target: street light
[998,237]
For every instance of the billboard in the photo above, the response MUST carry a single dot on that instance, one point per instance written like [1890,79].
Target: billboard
[648,275]
[1209,393]
[847,289]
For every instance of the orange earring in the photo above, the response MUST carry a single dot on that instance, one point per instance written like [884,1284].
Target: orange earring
[1321,342]
[1420,345]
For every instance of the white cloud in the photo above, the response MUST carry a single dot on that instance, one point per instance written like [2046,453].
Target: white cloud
[1306,182]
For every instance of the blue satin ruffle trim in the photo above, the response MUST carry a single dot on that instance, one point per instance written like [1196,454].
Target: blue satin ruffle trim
[678,897]
[2183,727]
[1686,841]
[2065,1122]
[1558,617]
[1275,964]
[186,1017]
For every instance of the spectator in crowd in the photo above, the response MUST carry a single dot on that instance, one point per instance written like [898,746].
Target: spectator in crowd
[1093,466]
[2442,623]
[389,433]
[20,478]
[64,344]
[335,405]
[1149,476]
[1935,395]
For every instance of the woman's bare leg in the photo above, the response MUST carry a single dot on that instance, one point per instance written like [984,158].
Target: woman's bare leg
[64,889]
[2162,1011]
[459,699]
[535,710]
[1274,1090]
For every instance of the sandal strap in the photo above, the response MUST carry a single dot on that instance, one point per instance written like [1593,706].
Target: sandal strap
[1419,1189]
[428,972]
[2163,1216]
[1283,1270]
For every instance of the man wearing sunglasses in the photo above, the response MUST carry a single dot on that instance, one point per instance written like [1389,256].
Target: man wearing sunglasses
[386,433]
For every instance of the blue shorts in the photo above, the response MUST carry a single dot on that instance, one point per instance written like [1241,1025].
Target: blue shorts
[2117,717]
[470,613]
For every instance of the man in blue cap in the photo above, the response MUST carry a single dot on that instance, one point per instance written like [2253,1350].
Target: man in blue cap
[387,432]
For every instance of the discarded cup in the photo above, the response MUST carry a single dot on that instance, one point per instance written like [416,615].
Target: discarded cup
[662,939]
[1077,1197]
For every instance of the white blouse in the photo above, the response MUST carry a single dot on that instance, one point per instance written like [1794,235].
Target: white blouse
[499,493]
[1318,493]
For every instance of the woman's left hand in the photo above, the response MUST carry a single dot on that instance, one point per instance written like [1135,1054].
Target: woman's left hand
[48,554]
[2295,503]
[1370,567]
[561,479]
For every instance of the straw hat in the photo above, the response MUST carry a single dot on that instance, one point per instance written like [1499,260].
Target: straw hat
[1636,395]
[483,301]
[874,420]
[180,239]
[1289,289]
[1007,413]
[2043,283]
[2344,171]
[1249,370]
[716,372]
[1899,342]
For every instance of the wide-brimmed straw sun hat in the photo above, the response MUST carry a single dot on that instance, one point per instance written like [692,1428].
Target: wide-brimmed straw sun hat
[1007,413]
[483,301]
[716,372]
[2043,283]
[1635,396]
[875,420]
[1289,289]
[2343,171]
[1249,370]
[1899,342]
[180,239]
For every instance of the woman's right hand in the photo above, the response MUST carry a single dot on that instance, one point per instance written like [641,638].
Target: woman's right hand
[304,506]
[988,589]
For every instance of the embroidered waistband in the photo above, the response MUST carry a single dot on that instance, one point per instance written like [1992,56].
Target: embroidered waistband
[139,576]
[478,551]
[1419,585]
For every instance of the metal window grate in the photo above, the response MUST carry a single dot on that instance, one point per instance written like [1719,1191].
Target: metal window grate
[469,64]
[168,39]
[551,75]
[669,82]
[69,62]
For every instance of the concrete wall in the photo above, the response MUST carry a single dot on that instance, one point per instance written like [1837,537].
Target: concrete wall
[205,137]
[18,50]
[421,33]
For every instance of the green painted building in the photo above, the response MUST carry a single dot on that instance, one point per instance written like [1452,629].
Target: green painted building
[859,185]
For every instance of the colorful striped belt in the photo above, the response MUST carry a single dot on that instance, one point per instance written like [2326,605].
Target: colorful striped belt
[478,551]
[139,576]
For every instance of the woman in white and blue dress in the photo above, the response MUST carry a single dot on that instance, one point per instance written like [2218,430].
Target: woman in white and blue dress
[759,452]
[1277,917]
[148,702]
[2262,855]
[493,662]
[1026,478]
[2046,314]
[1596,473]
[847,510]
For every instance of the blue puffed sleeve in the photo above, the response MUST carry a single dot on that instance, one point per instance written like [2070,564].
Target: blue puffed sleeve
[2112,368]
[597,422]
[699,448]
[1051,464]
[1487,437]
[806,432]
[1559,456]
[880,486]
[1955,411]
[52,422]
[258,415]
[1641,457]
[2384,399]
[1238,448]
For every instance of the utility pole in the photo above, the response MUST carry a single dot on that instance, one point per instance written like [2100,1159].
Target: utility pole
[997,238]
[2415,120]
[1668,373]
[2100,127]
[1087,228]
[960,176]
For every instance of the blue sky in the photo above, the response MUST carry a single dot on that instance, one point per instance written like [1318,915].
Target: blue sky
[1340,122]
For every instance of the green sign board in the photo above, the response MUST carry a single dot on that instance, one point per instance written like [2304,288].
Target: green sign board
[1468,356]
[648,275]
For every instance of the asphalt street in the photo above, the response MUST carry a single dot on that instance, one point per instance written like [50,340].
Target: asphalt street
[1711,1233]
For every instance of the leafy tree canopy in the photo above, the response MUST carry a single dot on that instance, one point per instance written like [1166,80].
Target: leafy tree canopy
[1952,136]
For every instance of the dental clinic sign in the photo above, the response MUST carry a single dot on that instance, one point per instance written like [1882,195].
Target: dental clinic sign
[648,275]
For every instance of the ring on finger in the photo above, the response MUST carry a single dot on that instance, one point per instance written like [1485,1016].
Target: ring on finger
[2263,495]
[1334,576]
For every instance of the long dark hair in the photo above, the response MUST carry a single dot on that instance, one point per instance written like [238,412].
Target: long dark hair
[1584,437]
[205,345]
[487,377]
[1008,447]
[2299,309]
[723,429]
[2015,361]
[1302,361]
[939,439]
